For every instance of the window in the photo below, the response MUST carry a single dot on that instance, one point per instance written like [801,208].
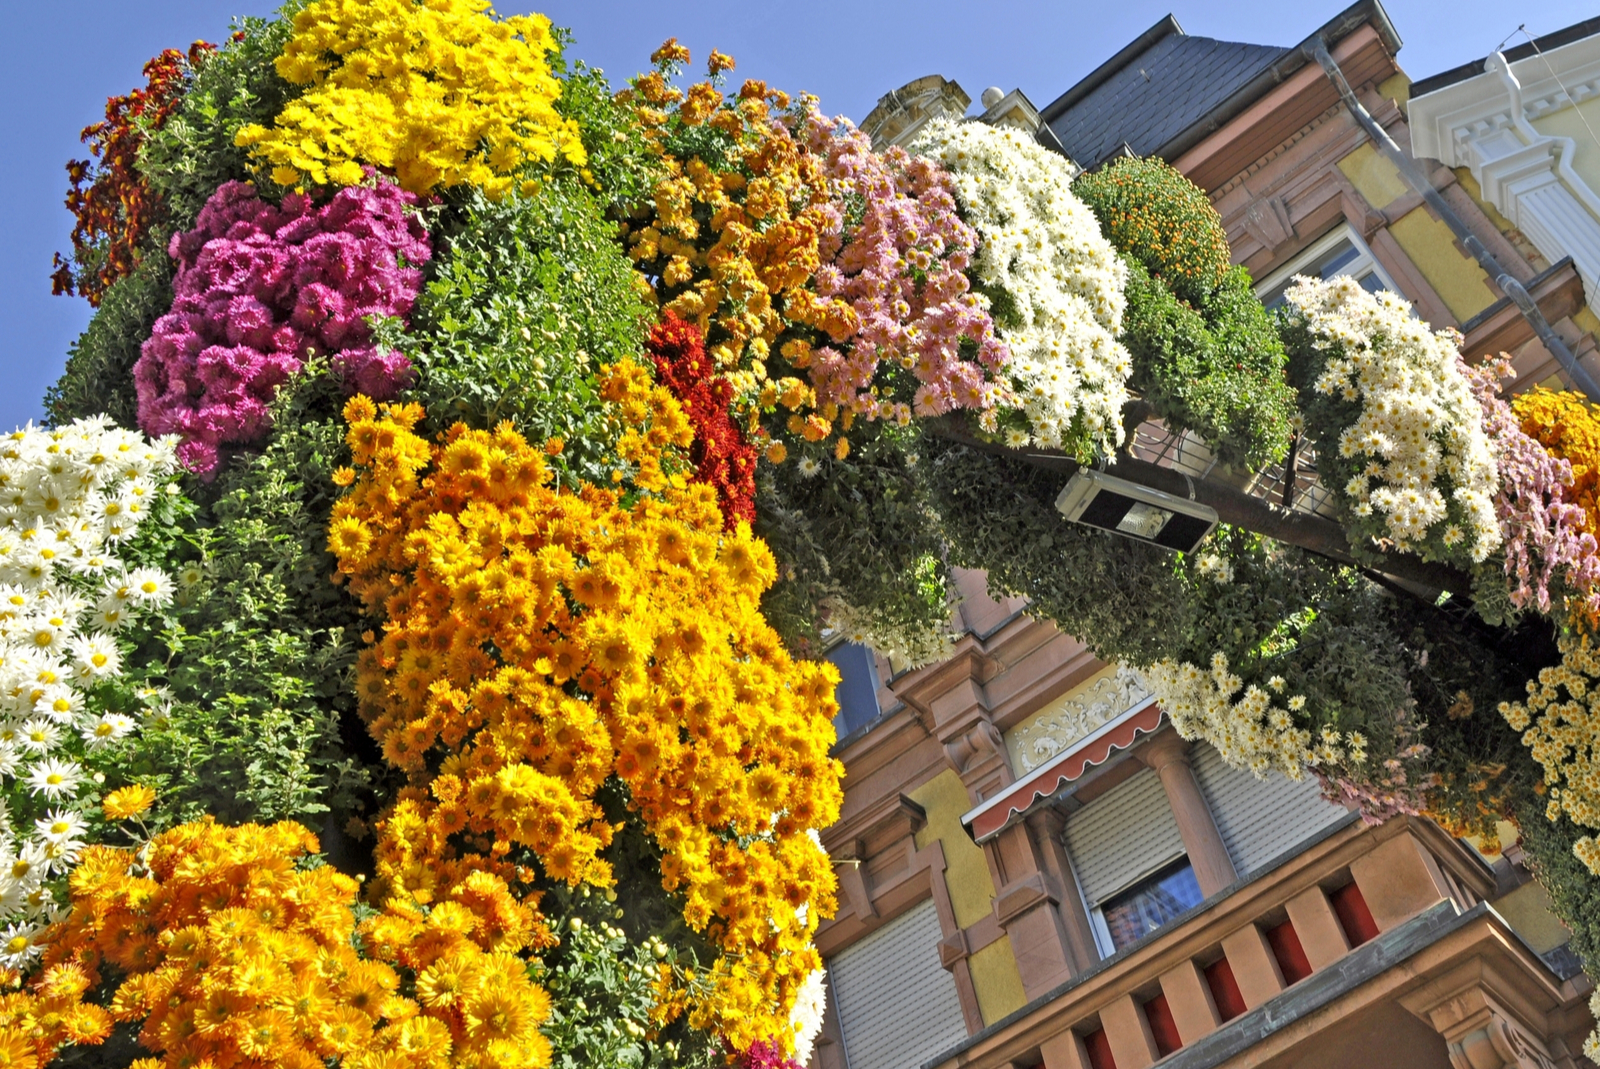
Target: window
[1150,903]
[857,693]
[1338,253]
[897,1004]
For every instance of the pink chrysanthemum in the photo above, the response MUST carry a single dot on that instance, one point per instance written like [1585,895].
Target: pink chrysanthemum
[259,289]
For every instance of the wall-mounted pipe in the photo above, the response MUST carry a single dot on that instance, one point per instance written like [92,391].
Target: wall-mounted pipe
[1509,285]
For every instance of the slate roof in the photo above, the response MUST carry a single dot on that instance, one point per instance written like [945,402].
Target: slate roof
[1152,91]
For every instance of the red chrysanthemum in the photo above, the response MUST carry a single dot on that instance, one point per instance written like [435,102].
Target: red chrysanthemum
[723,458]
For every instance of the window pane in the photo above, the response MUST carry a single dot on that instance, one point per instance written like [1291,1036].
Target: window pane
[857,693]
[1335,260]
[1137,912]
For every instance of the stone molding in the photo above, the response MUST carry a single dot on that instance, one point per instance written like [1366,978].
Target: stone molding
[1485,124]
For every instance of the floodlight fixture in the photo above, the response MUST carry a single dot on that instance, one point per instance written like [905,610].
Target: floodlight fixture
[1133,511]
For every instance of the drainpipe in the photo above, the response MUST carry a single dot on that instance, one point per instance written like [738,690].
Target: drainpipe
[1317,49]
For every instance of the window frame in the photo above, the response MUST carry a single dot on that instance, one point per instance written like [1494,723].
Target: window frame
[1097,916]
[1319,248]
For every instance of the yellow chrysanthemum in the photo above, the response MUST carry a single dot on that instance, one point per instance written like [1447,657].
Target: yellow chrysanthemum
[125,803]
[441,93]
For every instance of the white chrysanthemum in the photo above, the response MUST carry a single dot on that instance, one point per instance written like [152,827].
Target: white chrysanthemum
[95,657]
[55,778]
[1430,468]
[806,1017]
[60,825]
[107,729]
[20,944]
[1244,723]
[151,587]
[1043,249]
[39,735]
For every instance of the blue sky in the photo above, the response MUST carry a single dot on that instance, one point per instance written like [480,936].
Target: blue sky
[67,56]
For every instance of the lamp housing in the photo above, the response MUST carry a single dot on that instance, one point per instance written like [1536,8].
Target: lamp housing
[1125,508]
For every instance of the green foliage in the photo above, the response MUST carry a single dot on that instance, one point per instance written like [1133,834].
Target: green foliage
[1360,656]
[1217,371]
[1574,891]
[858,536]
[99,372]
[236,86]
[622,166]
[255,661]
[999,514]
[530,298]
[1157,217]
[613,942]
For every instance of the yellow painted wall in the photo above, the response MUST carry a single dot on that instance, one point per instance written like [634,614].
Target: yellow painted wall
[1569,122]
[1374,177]
[997,981]
[1454,276]
[1397,87]
[1527,909]
[966,874]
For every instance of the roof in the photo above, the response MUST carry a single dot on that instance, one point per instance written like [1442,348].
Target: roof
[1167,87]
[1156,94]
[1575,32]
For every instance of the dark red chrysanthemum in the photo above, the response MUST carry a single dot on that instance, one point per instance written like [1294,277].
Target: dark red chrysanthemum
[113,205]
[723,458]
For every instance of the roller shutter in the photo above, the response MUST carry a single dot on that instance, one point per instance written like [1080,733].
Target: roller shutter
[1122,836]
[897,1005]
[1260,818]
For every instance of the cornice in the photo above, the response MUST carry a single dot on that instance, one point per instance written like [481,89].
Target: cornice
[1446,121]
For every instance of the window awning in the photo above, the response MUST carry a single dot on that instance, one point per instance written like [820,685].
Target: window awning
[1038,786]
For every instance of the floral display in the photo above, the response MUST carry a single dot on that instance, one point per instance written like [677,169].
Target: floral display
[1406,448]
[72,498]
[722,458]
[1151,212]
[731,238]
[902,268]
[1560,722]
[1206,355]
[110,200]
[258,964]
[1057,280]
[1548,544]
[656,670]
[1252,727]
[1568,426]
[440,94]
[452,709]
[262,288]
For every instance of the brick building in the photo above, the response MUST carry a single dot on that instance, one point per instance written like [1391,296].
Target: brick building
[1035,870]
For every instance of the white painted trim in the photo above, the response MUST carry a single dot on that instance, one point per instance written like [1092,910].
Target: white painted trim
[1485,123]
[1363,262]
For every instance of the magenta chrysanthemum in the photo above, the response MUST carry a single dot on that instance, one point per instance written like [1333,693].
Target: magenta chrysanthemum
[1545,540]
[766,1056]
[259,289]
[898,253]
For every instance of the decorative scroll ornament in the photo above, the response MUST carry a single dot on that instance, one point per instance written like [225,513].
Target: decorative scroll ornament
[1050,732]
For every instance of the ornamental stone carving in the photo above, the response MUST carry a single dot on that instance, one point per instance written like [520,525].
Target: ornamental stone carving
[904,111]
[1058,726]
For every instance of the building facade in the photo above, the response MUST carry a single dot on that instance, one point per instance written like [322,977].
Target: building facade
[1034,869]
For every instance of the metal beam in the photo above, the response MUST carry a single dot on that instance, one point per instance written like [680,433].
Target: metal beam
[1305,530]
